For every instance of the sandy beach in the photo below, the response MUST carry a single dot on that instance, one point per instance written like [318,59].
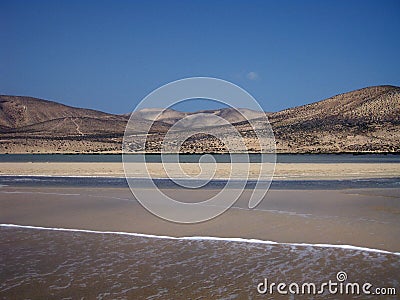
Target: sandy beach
[89,237]
[363,217]
[283,171]
[101,243]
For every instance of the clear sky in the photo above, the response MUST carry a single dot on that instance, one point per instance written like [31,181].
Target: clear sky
[108,55]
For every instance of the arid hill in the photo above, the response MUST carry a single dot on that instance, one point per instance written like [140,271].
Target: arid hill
[16,111]
[198,119]
[367,105]
[31,125]
[365,120]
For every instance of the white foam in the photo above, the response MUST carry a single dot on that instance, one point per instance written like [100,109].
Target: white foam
[204,238]
[61,176]
[41,193]
[121,176]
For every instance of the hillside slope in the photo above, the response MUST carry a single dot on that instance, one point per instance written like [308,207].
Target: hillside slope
[371,104]
[19,111]
[365,120]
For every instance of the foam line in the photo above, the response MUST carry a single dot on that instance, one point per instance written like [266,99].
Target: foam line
[40,193]
[203,238]
[61,176]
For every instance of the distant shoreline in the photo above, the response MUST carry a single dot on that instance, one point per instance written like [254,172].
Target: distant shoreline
[203,153]
[194,158]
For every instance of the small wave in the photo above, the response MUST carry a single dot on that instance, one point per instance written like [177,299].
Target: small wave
[204,238]
[283,212]
[35,176]
[41,193]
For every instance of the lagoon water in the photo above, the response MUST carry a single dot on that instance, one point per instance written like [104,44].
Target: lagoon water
[118,182]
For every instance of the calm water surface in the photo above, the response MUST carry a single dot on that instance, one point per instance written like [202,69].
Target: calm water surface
[281,158]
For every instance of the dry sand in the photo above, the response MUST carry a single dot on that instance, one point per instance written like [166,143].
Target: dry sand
[283,171]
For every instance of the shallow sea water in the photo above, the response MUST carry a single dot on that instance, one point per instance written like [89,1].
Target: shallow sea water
[39,264]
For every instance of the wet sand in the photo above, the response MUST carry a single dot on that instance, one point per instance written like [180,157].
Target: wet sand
[39,263]
[363,217]
[283,171]
[292,236]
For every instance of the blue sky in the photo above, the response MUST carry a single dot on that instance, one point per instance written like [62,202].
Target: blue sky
[108,55]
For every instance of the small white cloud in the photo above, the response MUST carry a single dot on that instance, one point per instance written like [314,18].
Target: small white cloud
[252,76]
